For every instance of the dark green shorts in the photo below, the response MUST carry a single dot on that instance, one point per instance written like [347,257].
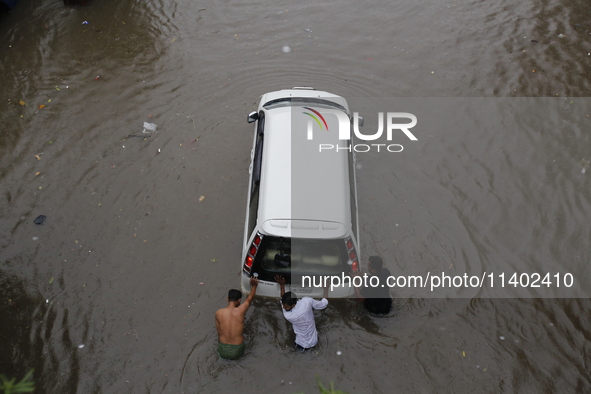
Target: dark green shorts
[230,352]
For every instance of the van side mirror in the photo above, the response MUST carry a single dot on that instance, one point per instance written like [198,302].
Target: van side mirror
[252,117]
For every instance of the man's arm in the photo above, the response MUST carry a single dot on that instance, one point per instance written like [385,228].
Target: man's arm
[281,280]
[318,305]
[254,282]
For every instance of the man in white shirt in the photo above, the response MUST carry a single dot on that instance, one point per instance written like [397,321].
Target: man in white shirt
[300,313]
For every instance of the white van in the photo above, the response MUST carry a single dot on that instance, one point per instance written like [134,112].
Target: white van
[301,213]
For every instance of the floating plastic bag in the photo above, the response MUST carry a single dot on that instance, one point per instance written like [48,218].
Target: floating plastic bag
[149,128]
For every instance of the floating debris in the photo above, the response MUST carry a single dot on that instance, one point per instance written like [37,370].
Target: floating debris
[585,164]
[192,117]
[40,219]
[149,128]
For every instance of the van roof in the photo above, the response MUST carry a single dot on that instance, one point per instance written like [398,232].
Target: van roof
[304,193]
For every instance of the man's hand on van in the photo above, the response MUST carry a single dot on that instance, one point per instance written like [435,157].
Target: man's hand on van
[254,282]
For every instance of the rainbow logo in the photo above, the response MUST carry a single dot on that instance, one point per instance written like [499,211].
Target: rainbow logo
[315,118]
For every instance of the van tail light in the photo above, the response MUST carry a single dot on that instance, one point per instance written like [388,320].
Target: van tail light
[248,262]
[352,254]
[252,252]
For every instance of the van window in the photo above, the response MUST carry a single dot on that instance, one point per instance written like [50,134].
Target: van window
[253,209]
[353,192]
[294,101]
[276,256]
[258,154]
[257,163]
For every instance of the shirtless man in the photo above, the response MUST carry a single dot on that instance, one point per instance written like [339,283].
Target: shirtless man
[229,322]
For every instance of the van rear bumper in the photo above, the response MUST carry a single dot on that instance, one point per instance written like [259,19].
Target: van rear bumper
[272,289]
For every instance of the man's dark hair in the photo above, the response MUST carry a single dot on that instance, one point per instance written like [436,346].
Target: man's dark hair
[289,298]
[234,295]
[376,262]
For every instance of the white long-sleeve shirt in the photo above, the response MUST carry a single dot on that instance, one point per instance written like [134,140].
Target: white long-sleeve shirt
[302,318]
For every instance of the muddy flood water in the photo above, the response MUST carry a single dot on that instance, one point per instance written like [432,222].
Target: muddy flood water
[116,291]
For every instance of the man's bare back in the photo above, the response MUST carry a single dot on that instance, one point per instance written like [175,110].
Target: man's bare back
[229,321]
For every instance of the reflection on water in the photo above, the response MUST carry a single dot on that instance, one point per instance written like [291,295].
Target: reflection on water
[143,231]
